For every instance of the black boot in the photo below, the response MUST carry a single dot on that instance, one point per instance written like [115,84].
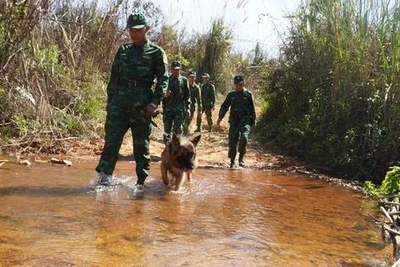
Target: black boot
[105,179]
[139,187]
[241,162]
[232,165]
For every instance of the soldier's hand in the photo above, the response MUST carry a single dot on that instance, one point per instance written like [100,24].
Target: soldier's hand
[168,93]
[150,110]
[187,114]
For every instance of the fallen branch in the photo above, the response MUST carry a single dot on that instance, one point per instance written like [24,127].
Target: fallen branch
[386,197]
[67,138]
[389,203]
[397,263]
[62,162]
[386,214]
[391,231]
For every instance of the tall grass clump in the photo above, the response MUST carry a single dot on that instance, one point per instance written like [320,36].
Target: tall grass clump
[203,52]
[55,62]
[334,95]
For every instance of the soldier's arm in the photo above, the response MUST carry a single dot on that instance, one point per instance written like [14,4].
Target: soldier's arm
[252,111]
[212,96]
[193,100]
[224,107]
[114,79]
[202,93]
[161,72]
[199,104]
[186,93]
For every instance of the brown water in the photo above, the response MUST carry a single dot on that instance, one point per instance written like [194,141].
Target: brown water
[49,216]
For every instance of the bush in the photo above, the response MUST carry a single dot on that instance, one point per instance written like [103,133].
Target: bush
[333,97]
[390,185]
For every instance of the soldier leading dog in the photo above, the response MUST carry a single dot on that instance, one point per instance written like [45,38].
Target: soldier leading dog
[179,160]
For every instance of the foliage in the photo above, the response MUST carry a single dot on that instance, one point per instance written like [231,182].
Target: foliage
[216,55]
[170,40]
[208,52]
[56,58]
[390,185]
[57,55]
[333,96]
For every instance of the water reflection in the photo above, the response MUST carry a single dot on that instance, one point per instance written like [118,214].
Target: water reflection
[51,216]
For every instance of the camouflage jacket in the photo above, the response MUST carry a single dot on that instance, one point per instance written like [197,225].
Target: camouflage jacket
[133,73]
[208,95]
[195,97]
[180,94]
[241,106]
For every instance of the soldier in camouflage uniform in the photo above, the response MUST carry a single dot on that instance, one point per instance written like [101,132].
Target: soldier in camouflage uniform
[176,104]
[195,99]
[242,117]
[208,99]
[130,100]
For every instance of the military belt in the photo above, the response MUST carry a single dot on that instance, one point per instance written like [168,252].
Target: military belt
[136,83]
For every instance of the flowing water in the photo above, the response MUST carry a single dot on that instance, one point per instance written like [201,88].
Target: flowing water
[50,216]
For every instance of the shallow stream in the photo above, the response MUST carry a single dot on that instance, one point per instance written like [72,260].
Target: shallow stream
[50,216]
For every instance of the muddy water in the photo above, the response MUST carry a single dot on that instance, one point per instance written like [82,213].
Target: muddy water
[49,216]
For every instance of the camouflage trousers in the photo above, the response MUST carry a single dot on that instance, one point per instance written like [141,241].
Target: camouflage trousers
[238,133]
[118,122]
[208,112]
[173,121]
[188,121]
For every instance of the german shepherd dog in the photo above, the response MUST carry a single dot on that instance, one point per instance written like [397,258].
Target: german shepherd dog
[179,159]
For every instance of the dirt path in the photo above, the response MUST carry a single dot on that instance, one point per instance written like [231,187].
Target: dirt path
[212,152]
[212,149]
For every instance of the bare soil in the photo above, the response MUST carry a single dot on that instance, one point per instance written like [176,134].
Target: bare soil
[212,150]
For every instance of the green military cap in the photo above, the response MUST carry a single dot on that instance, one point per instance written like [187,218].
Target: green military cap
[136,21]
[206,75]
[192,73]
[176,65]
[238,79]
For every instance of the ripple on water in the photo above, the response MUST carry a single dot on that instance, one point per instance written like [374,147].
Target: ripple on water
[222,218]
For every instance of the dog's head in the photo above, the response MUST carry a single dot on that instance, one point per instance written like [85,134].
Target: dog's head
[183,151]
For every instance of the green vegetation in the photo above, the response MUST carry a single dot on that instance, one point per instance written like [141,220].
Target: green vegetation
[56,59]
[390,185]
[50,85]
[333,97]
